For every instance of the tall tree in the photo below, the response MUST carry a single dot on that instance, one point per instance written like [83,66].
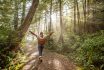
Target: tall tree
[78,15]
[23,10]
[74,16]
[25,25]
[84,11]
[45,23]
[16,14]
[50,25]
[61,23]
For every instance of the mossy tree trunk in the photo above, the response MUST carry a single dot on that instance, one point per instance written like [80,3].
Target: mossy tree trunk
[21,31]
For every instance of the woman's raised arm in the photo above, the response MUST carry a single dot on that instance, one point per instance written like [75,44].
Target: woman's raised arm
[33,33]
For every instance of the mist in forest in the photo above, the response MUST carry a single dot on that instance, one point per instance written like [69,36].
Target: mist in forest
[73,29]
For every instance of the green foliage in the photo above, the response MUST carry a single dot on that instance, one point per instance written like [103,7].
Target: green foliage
[6,58]
[6,13]
[86,50]
[3,34]
[7,32]
[91,53]
[15,63]
[50,44]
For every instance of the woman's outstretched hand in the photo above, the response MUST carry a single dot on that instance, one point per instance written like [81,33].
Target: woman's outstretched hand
[30,31]
[33,33]
[51,33]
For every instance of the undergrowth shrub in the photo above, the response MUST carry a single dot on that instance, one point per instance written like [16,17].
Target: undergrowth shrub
[15,63]
[7,56]
[86,50]
[91,52]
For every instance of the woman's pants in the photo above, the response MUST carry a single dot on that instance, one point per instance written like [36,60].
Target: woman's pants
[40,49]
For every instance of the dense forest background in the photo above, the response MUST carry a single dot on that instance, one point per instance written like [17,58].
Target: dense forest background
[78,27]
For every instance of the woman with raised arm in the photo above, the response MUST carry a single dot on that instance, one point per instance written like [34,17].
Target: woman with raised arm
[41,41]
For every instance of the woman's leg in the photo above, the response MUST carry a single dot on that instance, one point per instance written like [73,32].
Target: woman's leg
[40,49]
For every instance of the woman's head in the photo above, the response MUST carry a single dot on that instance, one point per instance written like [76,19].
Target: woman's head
[41,34]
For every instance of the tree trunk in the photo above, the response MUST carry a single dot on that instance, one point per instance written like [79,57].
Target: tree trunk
[45,24]
[78,16]
[23,10]
[50,25]
[16,15]
[39,26]
[84,11]
[74,16]
[88,14]
[25,25]
[61,23]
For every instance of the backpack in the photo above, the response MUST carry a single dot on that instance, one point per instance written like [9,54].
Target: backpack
[41,41]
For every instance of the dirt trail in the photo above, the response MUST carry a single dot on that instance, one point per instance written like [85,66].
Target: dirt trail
[50,61]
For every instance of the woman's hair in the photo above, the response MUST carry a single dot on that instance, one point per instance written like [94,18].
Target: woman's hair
[41,33]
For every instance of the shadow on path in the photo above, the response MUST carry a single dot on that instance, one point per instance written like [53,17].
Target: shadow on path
[50,61]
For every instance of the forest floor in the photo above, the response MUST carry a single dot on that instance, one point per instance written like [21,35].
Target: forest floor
[50,60]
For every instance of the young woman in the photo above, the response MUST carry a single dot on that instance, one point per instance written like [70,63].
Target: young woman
[41,41]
